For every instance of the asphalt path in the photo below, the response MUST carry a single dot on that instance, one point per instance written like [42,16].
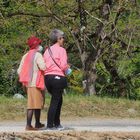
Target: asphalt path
[82,124]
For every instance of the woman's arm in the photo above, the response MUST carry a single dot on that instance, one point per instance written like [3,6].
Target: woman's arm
[63,60]
[40,62]
[21,64]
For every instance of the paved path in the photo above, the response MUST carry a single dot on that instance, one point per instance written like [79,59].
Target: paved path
[85,124]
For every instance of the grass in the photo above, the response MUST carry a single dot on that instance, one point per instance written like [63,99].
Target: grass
[75,106]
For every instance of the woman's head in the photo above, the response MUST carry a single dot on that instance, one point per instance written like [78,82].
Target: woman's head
[57,36]
[33,42]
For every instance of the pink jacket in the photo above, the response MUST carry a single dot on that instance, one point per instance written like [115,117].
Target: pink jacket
[60,56]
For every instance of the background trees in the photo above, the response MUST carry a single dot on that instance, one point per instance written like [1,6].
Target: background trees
[102,41]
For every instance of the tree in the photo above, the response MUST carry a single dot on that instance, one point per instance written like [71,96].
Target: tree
[102,33]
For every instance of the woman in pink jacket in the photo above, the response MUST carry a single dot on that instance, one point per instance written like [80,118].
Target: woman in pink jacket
[31,75]
[56,62]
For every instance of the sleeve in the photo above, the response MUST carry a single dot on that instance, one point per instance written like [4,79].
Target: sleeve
[40,62]
[63,60]
[20,65]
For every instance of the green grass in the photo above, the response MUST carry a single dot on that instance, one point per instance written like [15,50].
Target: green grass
[75,106]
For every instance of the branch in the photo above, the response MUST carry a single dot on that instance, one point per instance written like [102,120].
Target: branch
[94,17]
[27,14]
[90,42]
[3,50]
[97,58]
[76,42]
[56,17]
[129,42]
[120,10]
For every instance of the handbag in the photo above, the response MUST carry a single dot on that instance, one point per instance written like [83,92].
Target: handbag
[40,83]
[40,80]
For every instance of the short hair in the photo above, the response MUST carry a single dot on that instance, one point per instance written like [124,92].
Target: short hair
[55,34]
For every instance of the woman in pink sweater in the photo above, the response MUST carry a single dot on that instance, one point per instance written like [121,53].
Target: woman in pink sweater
[56,62]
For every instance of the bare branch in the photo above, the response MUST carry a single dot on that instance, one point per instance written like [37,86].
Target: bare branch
[90,41]
[94,17]
[77,43]
[27,14]
[129,42]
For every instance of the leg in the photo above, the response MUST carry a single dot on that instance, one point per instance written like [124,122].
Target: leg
[37,116]
[56,97]
[29,117]
[58,111]
[38,124]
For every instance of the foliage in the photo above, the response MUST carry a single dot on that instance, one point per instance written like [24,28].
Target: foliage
[75,81]
[104,46]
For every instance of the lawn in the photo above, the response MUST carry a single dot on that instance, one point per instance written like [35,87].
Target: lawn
[75,106]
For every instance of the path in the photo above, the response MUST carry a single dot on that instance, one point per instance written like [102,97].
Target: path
[88,124]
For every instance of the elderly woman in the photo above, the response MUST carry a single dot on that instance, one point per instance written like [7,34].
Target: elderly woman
[56,62]
[31,75]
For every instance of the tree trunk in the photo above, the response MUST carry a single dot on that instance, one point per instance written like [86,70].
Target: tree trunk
[90,82]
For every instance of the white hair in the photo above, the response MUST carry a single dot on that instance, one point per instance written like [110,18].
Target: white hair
[55,34]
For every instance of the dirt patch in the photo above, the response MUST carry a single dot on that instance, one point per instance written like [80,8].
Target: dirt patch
[71,135]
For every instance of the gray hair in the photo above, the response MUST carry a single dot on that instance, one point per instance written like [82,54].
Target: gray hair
[55,34]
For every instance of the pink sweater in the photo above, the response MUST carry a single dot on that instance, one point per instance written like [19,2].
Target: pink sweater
[60,56]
